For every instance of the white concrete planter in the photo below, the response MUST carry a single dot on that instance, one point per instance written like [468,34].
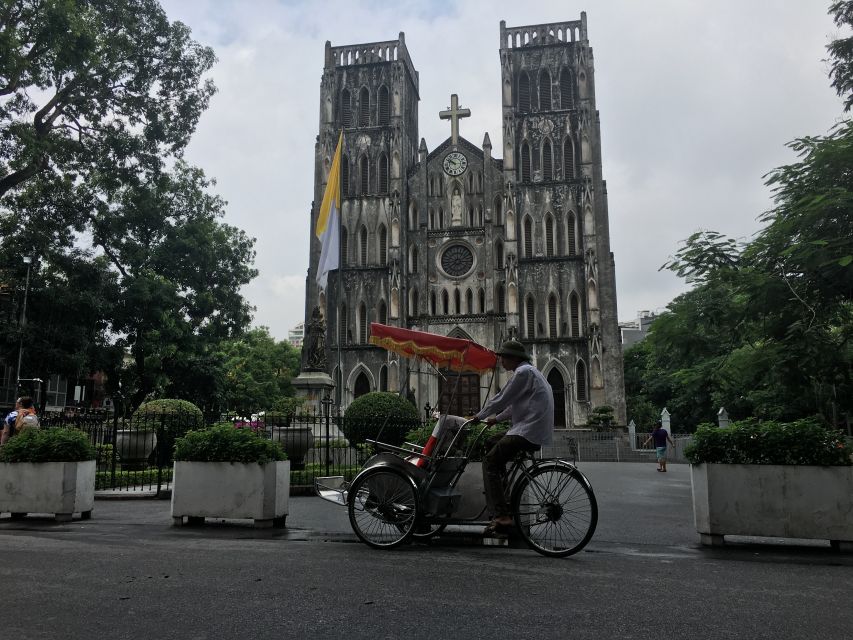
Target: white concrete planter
[60,488]
[787,501]
[231,490]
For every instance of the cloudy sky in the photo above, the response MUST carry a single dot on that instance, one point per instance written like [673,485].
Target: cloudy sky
[697,101]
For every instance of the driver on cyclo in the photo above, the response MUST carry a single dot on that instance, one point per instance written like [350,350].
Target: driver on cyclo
[527,401]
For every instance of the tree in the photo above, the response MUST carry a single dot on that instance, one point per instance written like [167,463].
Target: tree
[95,86]
[841,53]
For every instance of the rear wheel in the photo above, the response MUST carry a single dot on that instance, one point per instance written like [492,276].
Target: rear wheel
[383,508]
[555,509]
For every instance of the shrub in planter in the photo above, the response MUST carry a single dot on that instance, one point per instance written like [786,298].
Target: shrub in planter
[378,411]
[176,416]
[802,442]
[48,445]
[226,444]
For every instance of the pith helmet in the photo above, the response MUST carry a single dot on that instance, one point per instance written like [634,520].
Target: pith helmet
[513,349]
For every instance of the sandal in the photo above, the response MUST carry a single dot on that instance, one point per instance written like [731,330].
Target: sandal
[497,529]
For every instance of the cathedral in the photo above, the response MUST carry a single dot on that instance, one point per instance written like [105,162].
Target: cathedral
[469,240]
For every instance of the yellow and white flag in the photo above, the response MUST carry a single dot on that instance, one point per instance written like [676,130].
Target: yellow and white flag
[328,222]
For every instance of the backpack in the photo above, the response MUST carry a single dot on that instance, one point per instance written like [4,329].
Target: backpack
[26,421]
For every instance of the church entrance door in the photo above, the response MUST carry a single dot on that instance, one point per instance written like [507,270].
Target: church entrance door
[559,389]
[466,400]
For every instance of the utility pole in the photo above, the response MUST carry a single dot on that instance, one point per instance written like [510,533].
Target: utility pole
[23,322]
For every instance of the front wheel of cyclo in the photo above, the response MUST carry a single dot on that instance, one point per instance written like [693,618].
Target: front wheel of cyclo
[555,509]
[383,508]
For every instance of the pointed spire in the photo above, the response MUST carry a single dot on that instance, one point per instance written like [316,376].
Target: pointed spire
[487,143]
[422,150]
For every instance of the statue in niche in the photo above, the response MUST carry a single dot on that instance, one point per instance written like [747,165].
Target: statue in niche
[456,208]
[316,343]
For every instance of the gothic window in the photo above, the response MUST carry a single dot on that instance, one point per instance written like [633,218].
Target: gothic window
[344,176]
[383,378]
[362,247]
[479,216]
[528,237]
[471,182]
[573,249]
[568,159]
[346,109]
[580,381]
[383,245]
[549,236]
[457,260]
[523,92]
[364,108]
[566,93]
[469,302]
[383,173]
[544,91]
[499,214]
[344,246]
[413,259]
[558,387]
[457,303]
[413,303]
[530,318]
[482,296]
[547,162]
[342,326]
[575,315]
[440,217]
[364,175]
[445,303]
[383,312]
[471,220]
[501,299]
[432,219]
[499,255]
[432,303]
[413,216]
[384,106]
[362,324]
[525,162]
[361,386]
[552,316]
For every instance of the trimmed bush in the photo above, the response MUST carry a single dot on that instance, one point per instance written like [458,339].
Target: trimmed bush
[227,444]
[48,445]
[602,417]
[802,442]
[378,411]
[176,416]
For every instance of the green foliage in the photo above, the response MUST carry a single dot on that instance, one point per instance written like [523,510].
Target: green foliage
[602,417]
[469,441]
[841,53]
[227,444]
[378,411]
[48,445]
[801,442]
[176,416]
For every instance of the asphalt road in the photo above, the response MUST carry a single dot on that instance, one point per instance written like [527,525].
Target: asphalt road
[128,574]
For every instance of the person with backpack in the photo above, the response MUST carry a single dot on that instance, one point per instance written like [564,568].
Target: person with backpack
[22,418]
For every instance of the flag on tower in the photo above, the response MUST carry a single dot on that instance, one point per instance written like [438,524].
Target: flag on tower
[328,229]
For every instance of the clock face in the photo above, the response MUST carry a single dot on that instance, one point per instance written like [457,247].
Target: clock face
[457,260]
[455,163]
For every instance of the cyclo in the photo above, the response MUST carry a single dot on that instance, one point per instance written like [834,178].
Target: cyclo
[413,492]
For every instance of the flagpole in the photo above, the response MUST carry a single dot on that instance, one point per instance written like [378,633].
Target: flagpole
[341,330]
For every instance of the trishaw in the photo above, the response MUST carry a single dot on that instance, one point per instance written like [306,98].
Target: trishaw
[413,492]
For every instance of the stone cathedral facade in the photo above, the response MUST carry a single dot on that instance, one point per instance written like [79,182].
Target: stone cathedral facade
[468,239]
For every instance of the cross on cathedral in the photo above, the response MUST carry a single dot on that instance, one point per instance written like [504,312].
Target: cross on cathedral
[453,114]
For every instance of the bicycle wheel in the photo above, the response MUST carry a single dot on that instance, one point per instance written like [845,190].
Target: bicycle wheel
[555,509]
[383,507]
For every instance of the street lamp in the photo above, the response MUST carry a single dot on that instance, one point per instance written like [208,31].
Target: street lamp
[23,323]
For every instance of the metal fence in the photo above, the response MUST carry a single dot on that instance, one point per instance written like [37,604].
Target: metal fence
[136,454]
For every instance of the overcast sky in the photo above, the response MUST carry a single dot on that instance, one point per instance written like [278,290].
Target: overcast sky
[697,101]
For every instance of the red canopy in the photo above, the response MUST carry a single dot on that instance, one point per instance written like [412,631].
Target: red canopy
[457,354]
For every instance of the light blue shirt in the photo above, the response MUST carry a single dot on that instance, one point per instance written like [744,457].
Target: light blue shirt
[528,400]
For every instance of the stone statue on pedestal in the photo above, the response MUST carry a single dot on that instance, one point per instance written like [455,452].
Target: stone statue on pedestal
[316,343]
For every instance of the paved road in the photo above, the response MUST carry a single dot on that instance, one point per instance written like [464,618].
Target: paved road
[128,574]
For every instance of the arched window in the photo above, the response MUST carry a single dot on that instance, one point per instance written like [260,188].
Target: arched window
[413,303]
[344,176]
[501,299]
[362,247]
[482,301]
[558,388]
[499,213]
[440,217]
[413,259]
[499,254]
[547,162]
[570,234]
[528,237]
[469,301]
[566,93]
[523,92]
[549,236]
[413,216]
[342,325]
[445,303]
[544,91]
[364,108]
[552,316]
[362,324]
[364,175]
[530,318]
[580,381]
[432,224]
[384,107]
[525,162]
[344,246]
[383,312]
[346,109]
[575,315]
[361,386]
[383,245]
[471,216]
[432,303]
[383,378]
[457,302]
[383,173]
[568,159]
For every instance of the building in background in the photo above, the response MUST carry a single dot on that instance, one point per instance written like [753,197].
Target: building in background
[296,335]
[636,330]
